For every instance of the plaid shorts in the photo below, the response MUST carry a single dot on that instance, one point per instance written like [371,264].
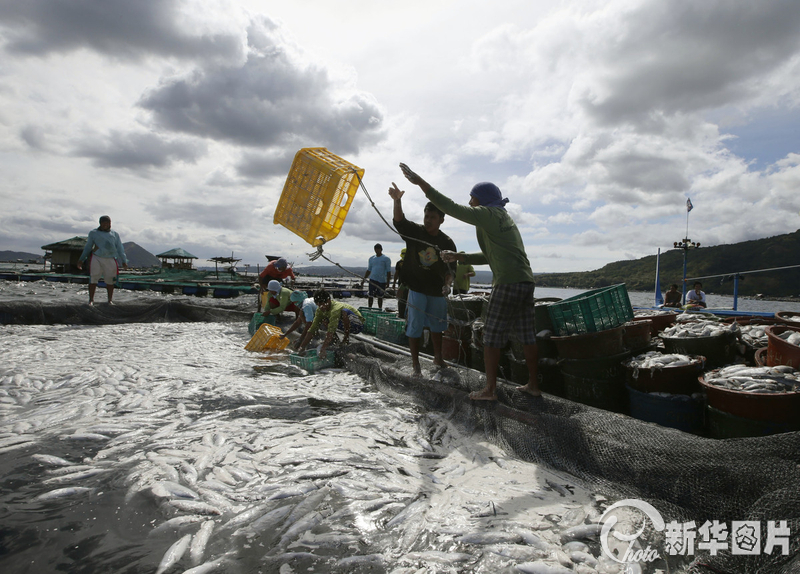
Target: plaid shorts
[510,309]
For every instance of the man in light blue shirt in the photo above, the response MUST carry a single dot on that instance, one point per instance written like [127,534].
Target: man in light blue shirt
[308,308]
[380,269]
[107,252]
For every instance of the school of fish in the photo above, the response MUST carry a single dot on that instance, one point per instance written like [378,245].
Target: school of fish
[173,449]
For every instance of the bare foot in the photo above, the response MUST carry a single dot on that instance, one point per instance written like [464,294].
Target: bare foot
[533,391]
[482,395]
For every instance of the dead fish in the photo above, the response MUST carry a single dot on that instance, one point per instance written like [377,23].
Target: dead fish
[174,554]
[581,532]
[64,492]
[542,568]
[564,491]
[199,542]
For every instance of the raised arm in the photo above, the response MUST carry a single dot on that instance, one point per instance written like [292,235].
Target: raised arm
[397,194]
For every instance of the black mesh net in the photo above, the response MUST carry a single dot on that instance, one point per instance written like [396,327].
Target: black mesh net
[149,311]
[686,477]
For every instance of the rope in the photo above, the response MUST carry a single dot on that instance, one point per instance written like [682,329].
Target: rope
[319,253]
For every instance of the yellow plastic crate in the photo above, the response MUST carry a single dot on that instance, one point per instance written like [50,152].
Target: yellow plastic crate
[317,195]
[268,337]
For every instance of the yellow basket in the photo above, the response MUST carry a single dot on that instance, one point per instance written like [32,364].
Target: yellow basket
[317,195]
[268,337]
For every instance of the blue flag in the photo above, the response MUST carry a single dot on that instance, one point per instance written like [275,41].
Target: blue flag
[689,205]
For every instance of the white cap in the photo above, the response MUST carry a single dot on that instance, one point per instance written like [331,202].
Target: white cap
[274,286]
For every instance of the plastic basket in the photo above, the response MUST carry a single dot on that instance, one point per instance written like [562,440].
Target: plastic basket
[268,337]
[592,311]
[392,329]
[371,319]
[311,362]
[317,195]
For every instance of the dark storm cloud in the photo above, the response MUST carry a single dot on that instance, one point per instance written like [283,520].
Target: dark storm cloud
[259,167]
[120,28]
[691,56]
[138,150]
[233,216]
[268,101]
[33,136]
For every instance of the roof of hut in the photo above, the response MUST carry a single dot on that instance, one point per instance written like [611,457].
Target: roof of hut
[76,243]
[178,253]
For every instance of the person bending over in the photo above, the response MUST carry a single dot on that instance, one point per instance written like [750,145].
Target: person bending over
[337,315]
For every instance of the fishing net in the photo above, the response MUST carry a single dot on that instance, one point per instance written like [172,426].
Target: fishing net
[166,311]
[686,477]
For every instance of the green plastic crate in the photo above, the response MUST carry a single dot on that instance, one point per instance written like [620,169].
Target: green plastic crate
[592,311]
[371,318]
[390,328]
[311,362]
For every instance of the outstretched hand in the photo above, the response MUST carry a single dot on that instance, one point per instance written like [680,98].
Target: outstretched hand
[449,256]
[395,192]
[410,175]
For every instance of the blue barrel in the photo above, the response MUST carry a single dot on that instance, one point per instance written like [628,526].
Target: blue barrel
[680,412]
[726,425]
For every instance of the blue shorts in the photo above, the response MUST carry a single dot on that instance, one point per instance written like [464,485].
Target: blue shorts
[376,289]
[425,311]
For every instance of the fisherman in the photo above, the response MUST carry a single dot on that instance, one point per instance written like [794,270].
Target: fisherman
[696,297]
[428,277]
[278,301]
[107,251]
[338,315]
[277,270]
[380,269]
[306,316]
[463,272]
[511,305]
[399,285]
[672,298]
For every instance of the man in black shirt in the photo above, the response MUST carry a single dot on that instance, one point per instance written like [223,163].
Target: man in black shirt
[427,276]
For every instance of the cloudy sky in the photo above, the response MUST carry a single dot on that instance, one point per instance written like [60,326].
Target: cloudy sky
[597,119]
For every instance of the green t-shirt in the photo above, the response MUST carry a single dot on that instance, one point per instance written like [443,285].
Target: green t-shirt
[462,281]
[498,237]
[333,315]
[284,298]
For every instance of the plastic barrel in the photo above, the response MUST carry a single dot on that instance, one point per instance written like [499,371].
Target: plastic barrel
[676,380]
[606,394]
[718,351]
[591,345]
[779,351]
[725,425]
[680,412]
[779,408]
[637,335]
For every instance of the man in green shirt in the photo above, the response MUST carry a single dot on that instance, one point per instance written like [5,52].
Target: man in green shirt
[511,305]
[463,272]
[338,315]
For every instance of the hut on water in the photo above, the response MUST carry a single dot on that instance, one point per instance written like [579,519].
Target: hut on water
[176,259]
[64,255]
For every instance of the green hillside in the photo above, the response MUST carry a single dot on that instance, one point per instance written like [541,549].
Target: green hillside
[639,274]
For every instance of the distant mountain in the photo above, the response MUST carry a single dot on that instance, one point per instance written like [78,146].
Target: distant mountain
[12,256]
[640,274]
[139,257]
[484,277]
